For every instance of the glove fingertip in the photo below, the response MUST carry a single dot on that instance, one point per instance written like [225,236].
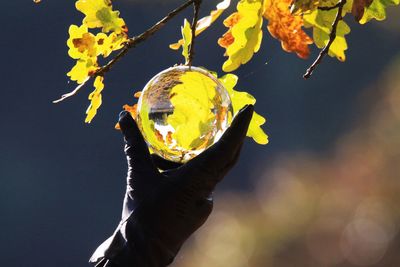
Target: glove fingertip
[240,124]
[245,113]
[125,120]
[122,114]
[129,128]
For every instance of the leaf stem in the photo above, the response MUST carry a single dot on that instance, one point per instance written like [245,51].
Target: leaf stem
[327,8]
[196,9]
[130,43]
[332,37]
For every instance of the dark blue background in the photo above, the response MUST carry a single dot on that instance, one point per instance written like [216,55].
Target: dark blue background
[62,181]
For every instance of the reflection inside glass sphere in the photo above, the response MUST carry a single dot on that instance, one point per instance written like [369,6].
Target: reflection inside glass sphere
[182,111]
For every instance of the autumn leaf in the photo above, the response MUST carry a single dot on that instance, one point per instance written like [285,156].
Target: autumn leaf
[95,99]
[321,21]
[287,27]
[239,100]
[227,39]
[131,109]
[85,46]
[81,43]
[99,14]
[106,44]
[358,8]
[192,108]
[286,19]
[205,22]
[187,39]
[244,36]
[82,70]
[377,10]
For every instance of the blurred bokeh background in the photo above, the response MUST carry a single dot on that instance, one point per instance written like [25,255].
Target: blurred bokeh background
[324,192]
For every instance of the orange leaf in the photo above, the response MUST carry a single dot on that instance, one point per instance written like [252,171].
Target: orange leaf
[287,27]
[227,39]
[244,35]
[132,110]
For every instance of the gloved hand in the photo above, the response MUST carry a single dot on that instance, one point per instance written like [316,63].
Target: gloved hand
[163,208]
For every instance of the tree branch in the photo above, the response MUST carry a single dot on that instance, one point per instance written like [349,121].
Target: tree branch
[197,4]
[131,43]
[332,37]
[327,8]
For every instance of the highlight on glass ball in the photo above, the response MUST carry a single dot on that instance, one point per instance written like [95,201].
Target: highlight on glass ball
[182,111]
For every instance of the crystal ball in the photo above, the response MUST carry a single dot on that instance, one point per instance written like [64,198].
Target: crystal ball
[182,111]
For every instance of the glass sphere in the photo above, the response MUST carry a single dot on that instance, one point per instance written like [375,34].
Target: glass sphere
[182,111]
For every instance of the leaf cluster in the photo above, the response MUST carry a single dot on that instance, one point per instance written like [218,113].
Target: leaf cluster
[103,31]
[86,46]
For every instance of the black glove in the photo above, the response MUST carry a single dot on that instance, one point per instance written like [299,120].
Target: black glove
[162,209]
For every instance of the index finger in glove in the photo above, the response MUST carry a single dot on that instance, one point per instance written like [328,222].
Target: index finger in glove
[139,159]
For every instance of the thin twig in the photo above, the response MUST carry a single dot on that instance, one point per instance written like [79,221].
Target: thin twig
[72,93]
[332,37]
[131,43]
[196,7]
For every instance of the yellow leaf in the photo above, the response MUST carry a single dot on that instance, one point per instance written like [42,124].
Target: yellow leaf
[239,100]
[377,10]
[81,43]
[205,22]
[95,99]
[82,70]
[358,8]
[187,39]
[244,32]
[227,39]
[193,108]
[99,14]
[255,131]
[287,27]
[321,22]
[106,44]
